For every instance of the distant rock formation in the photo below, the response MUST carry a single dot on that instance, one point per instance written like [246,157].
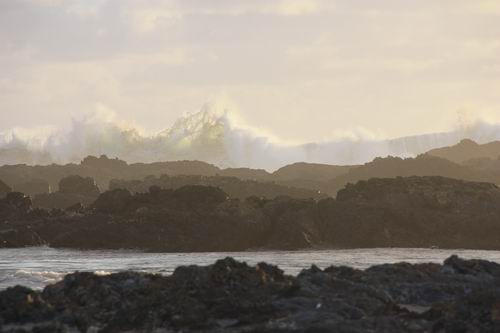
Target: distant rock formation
[294,179]
[102,169]
[78,185]
[468,150]
[423,165]
[33,187]
[234,187]
[309,171]
[312,176]
[247,174]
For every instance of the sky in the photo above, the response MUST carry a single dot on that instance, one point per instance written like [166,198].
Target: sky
[303,70]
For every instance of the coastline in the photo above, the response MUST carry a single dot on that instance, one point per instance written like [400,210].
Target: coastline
[232,296]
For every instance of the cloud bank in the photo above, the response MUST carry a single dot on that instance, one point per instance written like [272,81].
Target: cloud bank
[322,65]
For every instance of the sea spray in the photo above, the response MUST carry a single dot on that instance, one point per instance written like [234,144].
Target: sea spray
[216,136]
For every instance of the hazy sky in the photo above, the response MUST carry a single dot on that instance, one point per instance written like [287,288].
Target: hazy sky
[301,69]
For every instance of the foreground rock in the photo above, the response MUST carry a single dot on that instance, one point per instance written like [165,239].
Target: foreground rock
[230,296]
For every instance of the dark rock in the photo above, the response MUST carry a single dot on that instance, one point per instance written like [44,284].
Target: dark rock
[423,166]
[414,212]
[114,201]
[19,201]
[72,191]
[78,185]
[4,189]
[76,208]
[399,212]
[234,187]
[231,296]
[33,187]
[22,305]
[58,200]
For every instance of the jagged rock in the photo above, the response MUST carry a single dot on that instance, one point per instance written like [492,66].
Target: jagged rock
[231,296]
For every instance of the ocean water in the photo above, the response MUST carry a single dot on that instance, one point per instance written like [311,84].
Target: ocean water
[36,267]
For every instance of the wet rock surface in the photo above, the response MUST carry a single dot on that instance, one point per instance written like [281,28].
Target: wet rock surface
[230,296]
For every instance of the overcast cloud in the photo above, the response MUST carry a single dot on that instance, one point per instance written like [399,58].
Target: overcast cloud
[304,70]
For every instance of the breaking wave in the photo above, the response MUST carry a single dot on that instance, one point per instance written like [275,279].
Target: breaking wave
[212,135]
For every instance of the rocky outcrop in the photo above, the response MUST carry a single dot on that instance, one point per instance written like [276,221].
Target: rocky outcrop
[423,165]
[309,171]
[78,185]
[102,169]
[247,174]
[4,189]
[299,180]
[72,190]
[394,212]
[230,296]
[113,201]
[468,150]
[14,205]
[33,187]
[416,212]
[234,187]
[313,176]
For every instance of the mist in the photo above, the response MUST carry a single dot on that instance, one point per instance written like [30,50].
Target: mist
[214,135]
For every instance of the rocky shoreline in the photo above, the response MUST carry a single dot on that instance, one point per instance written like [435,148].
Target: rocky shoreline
[417,212]
[230,296]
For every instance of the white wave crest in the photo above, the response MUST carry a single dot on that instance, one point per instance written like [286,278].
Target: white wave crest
[45,275]
[213,135]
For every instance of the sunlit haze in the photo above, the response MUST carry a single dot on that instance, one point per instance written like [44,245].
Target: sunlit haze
[287,72]
[304,70]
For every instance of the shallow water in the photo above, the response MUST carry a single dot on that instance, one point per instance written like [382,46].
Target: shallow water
[36,267]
